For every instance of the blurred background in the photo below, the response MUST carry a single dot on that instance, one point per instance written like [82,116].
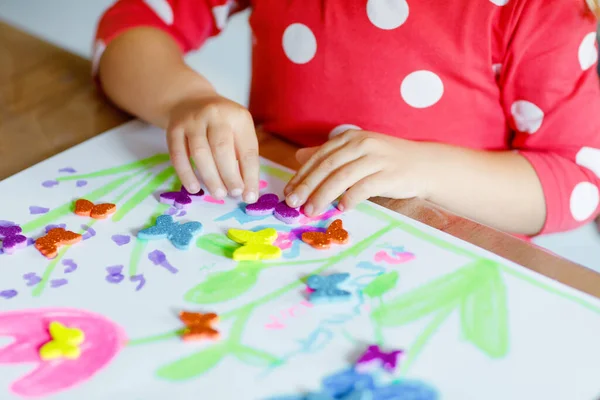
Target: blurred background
[225,61]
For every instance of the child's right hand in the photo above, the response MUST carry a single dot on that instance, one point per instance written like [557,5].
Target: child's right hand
[215,132]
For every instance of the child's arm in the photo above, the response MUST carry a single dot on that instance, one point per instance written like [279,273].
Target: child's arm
[551,97]
[143,71]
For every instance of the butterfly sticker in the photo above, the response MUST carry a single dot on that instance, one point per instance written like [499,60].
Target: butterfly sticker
[324,289]
[268,204]
[48,245]
[256,245]
[180,199]
[64,344]
[12,239]
[86,208]
[199,326]
[374,355]
[180,235]
[335,234]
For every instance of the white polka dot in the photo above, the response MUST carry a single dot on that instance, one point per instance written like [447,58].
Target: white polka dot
[528,117]
[589,158]
[422,89]
[387,14]
[500,2]
[163,9]
[299,43]
[584,201]
[496,68]
[342,128]
[221,14]
[588,53]
[99,48]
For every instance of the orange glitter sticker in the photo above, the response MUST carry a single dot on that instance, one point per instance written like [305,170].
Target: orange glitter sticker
[86,208]
[334,234]
[48,245]
[199,326]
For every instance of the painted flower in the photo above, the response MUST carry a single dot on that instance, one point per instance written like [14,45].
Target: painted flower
[29,330]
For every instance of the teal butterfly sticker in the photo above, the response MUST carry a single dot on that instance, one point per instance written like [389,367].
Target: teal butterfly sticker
[165,227]
[324,289]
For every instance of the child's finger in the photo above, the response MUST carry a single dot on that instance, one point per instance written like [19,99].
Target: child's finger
[180,158]
[338,182]
[334,160]
[220,139]
[207,169]
[316,158]
[247,150]
[362,190]
[303,155]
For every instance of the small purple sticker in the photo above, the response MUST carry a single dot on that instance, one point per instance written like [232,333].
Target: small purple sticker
[8,294]
[49,184]
[58,282]
[33,210]
[81,183]
[89,232]
[157,257]
[138,278]
[50,227]
[70,266]
[171,211]
[67,170]
[121,240]
[32,279]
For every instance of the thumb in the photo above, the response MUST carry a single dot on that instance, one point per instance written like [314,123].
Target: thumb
[303,155]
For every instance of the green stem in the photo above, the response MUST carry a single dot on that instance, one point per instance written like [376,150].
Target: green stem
[155,338]
[418,345]
[136,165]
[377,326]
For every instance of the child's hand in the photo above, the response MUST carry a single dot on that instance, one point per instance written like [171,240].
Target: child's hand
[215,132]
[361,164]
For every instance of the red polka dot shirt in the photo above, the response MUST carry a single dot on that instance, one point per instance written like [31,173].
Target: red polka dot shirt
[485,74]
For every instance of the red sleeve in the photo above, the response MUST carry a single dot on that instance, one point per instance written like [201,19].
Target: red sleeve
[551,97]
[189,22]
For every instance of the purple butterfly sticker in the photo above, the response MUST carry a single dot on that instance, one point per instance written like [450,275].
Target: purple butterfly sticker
[268,204]
[12,239]
[374,356]
[181,199]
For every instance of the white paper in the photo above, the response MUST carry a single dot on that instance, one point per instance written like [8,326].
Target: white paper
[489,329]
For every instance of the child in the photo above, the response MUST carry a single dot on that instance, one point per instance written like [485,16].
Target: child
[489,108]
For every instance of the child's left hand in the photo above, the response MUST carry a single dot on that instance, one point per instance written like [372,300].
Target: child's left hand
[362,164]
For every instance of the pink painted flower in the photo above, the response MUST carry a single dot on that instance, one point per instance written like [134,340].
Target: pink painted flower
[284,241]
[29,329]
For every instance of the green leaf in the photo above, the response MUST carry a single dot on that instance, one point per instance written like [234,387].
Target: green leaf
[255,357]
[217,244]
[382,284]
[484,316]
[192,366]
[223,286]
[446,291]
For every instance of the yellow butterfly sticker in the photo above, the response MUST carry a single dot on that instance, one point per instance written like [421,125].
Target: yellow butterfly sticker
[256,245]
[64,344]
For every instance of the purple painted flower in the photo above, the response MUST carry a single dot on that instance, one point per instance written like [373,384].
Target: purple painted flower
[49,184]
[121,240]
[81,183]
[34,210]
[67,170]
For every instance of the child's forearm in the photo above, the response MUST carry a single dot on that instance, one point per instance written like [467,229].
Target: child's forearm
[143,72]
[499,189]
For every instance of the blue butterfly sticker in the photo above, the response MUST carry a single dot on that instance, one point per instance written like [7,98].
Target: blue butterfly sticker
[180,235]
[325,288]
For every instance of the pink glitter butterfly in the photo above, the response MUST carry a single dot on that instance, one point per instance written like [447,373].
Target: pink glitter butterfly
[12,239]
[181,199]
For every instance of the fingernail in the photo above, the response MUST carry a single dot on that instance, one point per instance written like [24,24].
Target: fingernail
[193,188]
[341,207]
[287,190]
[250,197]
[308,210]
[236,192]
[220,193]
[293,200]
